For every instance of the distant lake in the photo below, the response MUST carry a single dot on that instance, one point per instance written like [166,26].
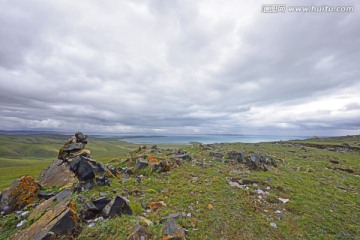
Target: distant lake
[206,139]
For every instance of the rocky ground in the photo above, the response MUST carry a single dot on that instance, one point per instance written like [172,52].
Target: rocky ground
[214,191]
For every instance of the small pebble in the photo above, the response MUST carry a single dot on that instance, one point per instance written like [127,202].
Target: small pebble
[273,225]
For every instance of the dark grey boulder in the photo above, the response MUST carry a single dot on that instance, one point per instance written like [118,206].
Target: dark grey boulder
[73,146]
[80,137]
[100,203]
[83,170]
[117,206]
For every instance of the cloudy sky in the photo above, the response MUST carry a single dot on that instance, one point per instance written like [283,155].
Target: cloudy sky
[151,66]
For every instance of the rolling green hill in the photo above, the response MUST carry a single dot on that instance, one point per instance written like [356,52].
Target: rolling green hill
[320,178]
[29,154]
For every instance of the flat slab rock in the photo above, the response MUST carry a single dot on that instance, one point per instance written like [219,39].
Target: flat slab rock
[45,205]
[58,174]
[58,221]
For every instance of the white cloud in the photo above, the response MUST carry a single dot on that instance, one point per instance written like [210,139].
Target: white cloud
[175,67]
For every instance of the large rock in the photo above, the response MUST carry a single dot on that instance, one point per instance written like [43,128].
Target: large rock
[117,206]
[58,221]
[58,174]
[22,192]
[82,168]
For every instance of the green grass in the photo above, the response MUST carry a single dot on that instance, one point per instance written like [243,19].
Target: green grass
[324,202]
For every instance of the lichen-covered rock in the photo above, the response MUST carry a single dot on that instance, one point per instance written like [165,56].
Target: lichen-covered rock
[22,192]
[58,174]
[173,232]
[58,221]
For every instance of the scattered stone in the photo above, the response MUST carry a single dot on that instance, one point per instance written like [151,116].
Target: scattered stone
[236,156]
[283,200]
[184,156]
[24,213]
[46,195]
[217,155]
[345,170]
[146,221]
[273,225]
[194,179]
[117,206]
[102,194]
[162,166]
[21,223]
[139,233]
[156,205]
[171,231]
[141,163]
[173,216]
[103,181]
[64,176]
[100,203]
[91,225]
[334,161]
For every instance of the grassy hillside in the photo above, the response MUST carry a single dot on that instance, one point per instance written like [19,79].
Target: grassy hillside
[29,154]
[320,177]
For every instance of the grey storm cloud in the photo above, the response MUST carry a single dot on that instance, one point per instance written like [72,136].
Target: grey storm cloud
[178,67]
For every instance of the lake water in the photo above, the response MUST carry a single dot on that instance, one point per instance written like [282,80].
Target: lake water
[206,139]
